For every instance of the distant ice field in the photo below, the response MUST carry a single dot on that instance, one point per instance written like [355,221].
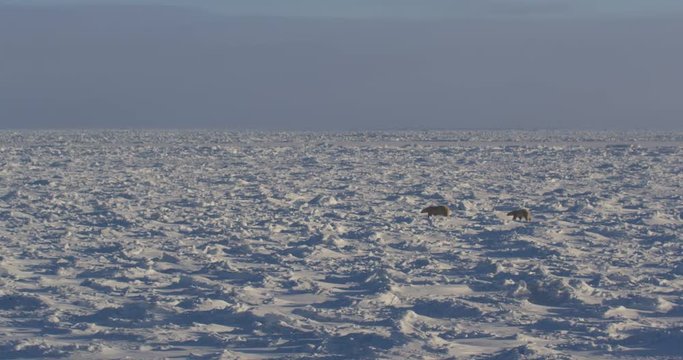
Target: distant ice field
[255,245]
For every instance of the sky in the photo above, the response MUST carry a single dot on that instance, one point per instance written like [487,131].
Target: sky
[341,64]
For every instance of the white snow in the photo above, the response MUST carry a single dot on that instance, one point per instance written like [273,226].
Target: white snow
[239,245]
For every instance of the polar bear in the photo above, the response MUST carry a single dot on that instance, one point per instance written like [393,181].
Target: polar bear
[436,210]
[520,214]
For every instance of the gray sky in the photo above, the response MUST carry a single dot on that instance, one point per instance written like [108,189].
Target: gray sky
[432,64]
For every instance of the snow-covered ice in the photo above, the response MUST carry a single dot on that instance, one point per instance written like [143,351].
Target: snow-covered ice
[238,245]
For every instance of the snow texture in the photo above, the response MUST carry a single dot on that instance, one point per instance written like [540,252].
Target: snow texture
[239,245]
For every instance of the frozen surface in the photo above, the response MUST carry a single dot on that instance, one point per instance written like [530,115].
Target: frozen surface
[252,245]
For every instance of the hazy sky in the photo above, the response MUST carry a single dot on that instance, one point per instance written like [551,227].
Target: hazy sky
[341,64]
[407,8]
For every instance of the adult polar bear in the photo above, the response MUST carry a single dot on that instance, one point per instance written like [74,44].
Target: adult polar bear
[436,210]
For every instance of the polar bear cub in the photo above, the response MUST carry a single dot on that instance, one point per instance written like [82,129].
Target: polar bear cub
[520,214]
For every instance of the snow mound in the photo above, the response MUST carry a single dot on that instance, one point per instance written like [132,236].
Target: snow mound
[20,302]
